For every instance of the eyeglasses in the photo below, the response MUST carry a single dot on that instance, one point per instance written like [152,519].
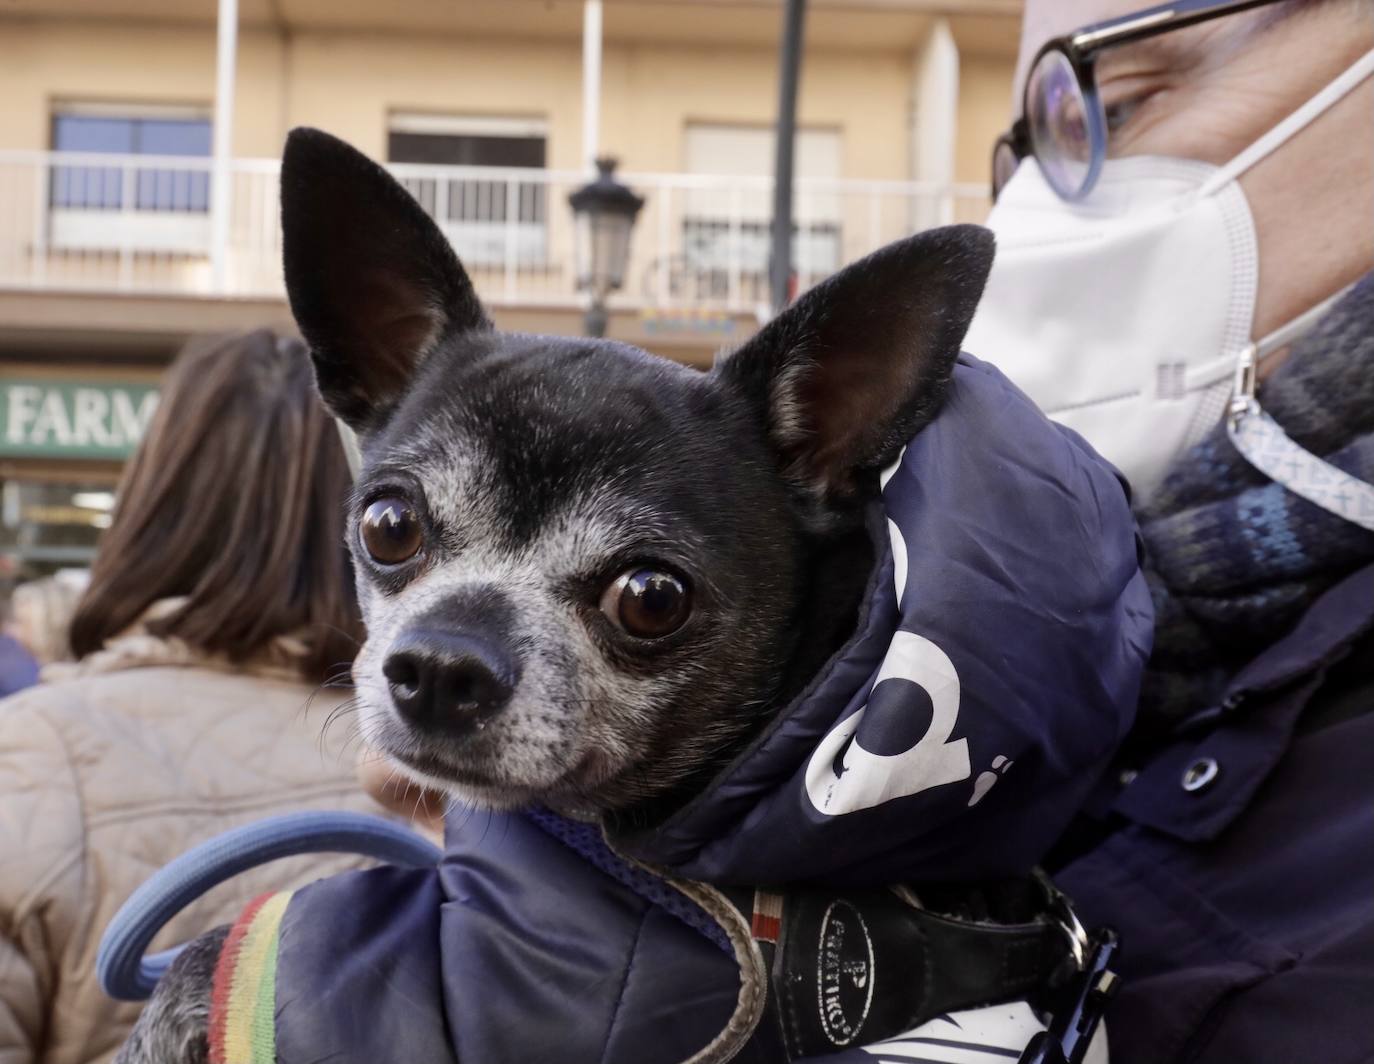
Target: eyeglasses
[1063,124]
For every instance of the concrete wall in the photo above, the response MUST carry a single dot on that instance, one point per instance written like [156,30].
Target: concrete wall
[349,82]
[43,62]
[985,112]
[651,93]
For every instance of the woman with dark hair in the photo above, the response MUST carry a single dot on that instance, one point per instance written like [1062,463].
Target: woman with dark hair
[219,608]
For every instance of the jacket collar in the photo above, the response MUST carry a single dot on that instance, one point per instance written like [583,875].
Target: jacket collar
[136,647]
[1195,788]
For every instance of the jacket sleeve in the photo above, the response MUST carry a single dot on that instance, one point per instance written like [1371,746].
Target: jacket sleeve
[41,856]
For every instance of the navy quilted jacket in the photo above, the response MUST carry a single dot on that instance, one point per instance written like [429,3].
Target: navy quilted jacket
[994,671]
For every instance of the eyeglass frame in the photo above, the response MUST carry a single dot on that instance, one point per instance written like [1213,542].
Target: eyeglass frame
[1081,49]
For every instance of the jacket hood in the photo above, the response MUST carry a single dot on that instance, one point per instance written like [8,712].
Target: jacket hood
[994,669]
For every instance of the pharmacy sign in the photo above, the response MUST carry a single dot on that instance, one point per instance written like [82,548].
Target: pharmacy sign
[73,419]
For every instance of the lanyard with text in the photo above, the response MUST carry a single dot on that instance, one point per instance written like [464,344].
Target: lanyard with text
[1269,449]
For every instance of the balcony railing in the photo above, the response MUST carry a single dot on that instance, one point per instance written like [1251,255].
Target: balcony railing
[141,224]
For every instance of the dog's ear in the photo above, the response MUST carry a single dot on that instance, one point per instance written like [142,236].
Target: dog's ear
[850,372]
[373,283]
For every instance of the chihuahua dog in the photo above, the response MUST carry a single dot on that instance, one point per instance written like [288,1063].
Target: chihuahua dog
[589,575]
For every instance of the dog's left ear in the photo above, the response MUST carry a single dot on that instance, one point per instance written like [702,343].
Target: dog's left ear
[373,283]
[853,369]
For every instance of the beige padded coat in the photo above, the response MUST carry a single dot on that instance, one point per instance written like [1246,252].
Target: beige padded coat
[111,770]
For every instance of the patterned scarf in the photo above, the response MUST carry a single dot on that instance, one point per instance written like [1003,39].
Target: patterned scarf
[1234,559]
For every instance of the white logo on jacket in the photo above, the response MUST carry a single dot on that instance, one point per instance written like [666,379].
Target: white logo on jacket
[842,776]
[862,779]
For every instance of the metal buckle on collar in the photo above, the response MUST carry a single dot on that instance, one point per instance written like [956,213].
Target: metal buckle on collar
[1067,920]
[1079,943]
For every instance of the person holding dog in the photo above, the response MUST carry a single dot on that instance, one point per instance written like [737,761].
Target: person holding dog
[1185,221]
[221,599]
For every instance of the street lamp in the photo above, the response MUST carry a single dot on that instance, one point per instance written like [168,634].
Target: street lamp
[604,213]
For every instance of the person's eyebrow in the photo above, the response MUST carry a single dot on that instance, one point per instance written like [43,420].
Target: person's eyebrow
[1176,52]
[1169,52]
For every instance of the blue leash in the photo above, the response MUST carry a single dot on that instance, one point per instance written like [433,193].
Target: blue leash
[127,974]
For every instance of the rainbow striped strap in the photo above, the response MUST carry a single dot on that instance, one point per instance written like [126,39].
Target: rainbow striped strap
[244,997]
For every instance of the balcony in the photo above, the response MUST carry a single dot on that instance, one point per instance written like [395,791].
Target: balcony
[140,225]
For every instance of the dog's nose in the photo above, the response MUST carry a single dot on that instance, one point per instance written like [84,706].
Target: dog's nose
[446,682]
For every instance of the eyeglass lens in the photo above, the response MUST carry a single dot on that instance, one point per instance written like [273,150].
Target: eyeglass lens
[1058,124]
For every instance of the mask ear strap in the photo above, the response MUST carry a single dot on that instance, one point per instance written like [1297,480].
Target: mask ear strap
[1328,97]
[1299,326]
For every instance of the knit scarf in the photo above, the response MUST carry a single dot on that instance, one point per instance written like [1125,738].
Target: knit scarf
[1233,558]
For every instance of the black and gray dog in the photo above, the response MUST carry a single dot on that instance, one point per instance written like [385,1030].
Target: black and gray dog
[589,575]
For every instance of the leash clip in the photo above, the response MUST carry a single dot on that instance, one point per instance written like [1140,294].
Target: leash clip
[1073,1026]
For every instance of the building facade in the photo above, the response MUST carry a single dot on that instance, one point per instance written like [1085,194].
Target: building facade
[114,247]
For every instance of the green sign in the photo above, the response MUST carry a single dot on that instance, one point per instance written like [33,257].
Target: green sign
[70,419]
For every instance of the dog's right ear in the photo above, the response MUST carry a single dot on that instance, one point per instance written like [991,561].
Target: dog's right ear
[844,377]
[373,283]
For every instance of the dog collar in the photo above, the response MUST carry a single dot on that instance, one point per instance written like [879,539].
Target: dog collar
[855,967]
[840,968]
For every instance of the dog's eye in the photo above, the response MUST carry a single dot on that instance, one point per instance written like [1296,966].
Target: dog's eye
[390,531]
[647,603]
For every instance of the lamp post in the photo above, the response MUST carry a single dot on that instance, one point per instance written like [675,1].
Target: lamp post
[604,213]
[780,264]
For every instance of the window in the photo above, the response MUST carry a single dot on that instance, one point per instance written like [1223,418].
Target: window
[748,151]
[471,141]
[491,219]
[101,188]
[90,204]
[47,524]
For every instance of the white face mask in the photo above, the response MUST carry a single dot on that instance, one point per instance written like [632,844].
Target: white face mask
[1124,315]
